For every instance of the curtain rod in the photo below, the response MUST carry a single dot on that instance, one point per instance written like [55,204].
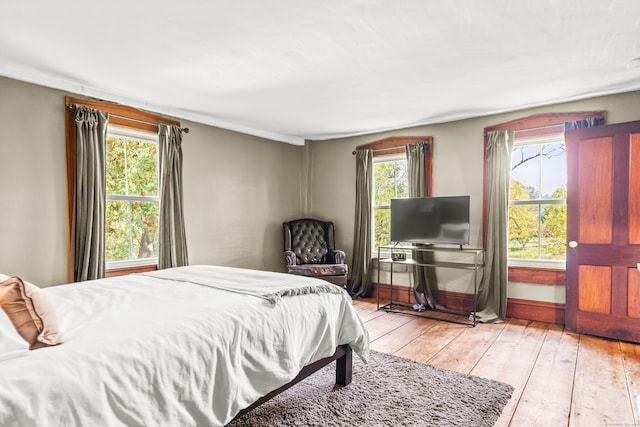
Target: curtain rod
[526,129]
[185,130]
[386,148]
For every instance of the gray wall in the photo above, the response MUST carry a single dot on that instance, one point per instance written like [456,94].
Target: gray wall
[32,183]
[238,190]
[458,169]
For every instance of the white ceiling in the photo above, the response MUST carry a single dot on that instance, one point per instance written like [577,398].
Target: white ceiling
[291,70]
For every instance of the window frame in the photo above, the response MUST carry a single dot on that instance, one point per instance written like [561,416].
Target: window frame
[119,115]
[553,138]
[387,158]
[134,134]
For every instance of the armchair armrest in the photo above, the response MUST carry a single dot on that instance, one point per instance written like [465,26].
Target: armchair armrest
[336,257]
[290,257]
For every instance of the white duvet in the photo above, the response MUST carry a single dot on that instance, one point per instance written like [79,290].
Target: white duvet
[178,347]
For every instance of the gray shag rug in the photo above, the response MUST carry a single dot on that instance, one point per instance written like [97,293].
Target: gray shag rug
[388,391]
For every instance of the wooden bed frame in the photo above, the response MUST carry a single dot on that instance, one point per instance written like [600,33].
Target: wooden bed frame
[344,367]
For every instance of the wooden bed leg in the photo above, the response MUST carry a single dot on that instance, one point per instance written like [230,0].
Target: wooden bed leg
[344,368]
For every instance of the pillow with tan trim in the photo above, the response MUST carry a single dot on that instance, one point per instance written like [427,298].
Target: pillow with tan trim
[30,311]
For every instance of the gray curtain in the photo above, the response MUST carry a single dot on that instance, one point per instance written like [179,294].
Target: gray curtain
[492,292]
[425,281]
[360,283]
[90,194]
[584,123]
[172,242]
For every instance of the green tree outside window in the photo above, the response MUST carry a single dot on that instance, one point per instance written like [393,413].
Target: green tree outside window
[390,182]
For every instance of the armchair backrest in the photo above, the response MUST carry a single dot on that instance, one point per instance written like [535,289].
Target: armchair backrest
[310,239]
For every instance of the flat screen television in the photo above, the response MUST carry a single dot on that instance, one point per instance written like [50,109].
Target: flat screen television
[430,220]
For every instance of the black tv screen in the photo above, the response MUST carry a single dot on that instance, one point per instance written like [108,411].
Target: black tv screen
[430,220]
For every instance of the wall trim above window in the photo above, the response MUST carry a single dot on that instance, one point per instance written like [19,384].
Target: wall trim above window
[393,144]
[119,115]
[541,121]
[123,115]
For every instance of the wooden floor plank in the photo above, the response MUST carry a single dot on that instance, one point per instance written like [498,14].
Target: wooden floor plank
[631,359]
[600,393]
[427,345]
[384,324]
[399,338]
[363,304]
[367,310]
[371,315]
[546,399]
[511,359]
[468,347]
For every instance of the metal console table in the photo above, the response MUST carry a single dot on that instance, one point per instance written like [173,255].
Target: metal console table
[474,267]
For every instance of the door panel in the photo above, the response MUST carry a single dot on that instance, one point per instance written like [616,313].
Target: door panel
[633,292]
[594,206]
[603,218]
[634,190]
[594,288]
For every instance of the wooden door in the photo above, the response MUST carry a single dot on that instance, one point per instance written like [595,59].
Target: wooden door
[603,231]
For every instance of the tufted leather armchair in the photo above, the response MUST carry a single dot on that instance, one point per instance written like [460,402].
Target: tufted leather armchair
[309,250]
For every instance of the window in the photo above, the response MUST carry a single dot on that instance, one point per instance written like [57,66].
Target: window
[131,223]
[537,205]
[389,182]
[131,231]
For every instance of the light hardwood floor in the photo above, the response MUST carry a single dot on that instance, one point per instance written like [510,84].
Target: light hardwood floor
[560,378]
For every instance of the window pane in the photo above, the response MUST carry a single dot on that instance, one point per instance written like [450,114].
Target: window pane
[144,223]
[384,175]
[554,232]
[525,168]
[116,178]
[402,183]
[517,191]
[554,169]
[523,232]
[390,181]
[525,239]
[382,224]
[142,161]
[117,230]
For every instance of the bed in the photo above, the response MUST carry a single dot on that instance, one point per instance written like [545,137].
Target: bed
[195,345]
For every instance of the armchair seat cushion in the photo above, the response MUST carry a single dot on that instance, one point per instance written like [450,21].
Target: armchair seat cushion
[315,270]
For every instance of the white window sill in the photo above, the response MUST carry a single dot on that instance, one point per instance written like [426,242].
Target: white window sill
[131,263]
[536,263]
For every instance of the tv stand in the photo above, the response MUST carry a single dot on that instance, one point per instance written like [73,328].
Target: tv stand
[477,264]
